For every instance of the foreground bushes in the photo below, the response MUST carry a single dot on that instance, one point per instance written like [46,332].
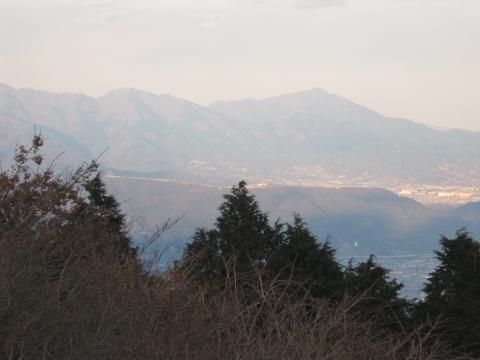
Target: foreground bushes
[243,241]
[101,309]
[72,287]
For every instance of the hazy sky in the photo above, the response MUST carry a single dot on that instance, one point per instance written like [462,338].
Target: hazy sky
[418,59]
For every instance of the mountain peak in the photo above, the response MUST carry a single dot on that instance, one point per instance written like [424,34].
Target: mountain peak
[127,91]
[133,92]
[308,96]
[309,92]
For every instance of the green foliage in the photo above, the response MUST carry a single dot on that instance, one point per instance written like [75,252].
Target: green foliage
[301,259]
[203,261]
[453,291]
[290,253]
[240,242]
[106,210]
[244,239]
[377,294]
[243,230]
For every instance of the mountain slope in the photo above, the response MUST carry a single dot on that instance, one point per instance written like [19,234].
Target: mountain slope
[357,221]
[306,137]
[346,138]
[143,132]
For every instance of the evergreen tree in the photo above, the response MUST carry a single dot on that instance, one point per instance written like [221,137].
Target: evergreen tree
[453,291]
[301,259]
[71,218]
[202,259]
[107,211]
[378,294]
[244,233]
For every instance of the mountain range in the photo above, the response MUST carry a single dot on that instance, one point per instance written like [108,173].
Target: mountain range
[155,148]
[287,139]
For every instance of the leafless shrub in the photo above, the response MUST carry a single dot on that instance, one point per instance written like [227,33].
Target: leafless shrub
[64,294]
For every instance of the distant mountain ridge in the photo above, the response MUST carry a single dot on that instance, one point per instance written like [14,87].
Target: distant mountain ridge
[284,139]
[290,139]
[143,132]
[348,138]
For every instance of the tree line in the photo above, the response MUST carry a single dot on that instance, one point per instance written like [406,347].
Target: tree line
[74,286]
[243,241]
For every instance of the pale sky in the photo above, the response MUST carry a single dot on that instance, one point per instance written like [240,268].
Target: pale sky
[418,59]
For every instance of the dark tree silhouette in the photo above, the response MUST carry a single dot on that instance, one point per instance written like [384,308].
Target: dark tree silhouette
[377,294]
[453,291]
[202,259]
[243,230]
[106,210]
[302,259]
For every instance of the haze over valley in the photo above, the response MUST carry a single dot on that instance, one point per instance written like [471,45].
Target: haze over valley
[357,221]
[371,183]
[309,138]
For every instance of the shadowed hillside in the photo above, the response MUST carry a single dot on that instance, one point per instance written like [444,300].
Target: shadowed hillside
[358,221]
